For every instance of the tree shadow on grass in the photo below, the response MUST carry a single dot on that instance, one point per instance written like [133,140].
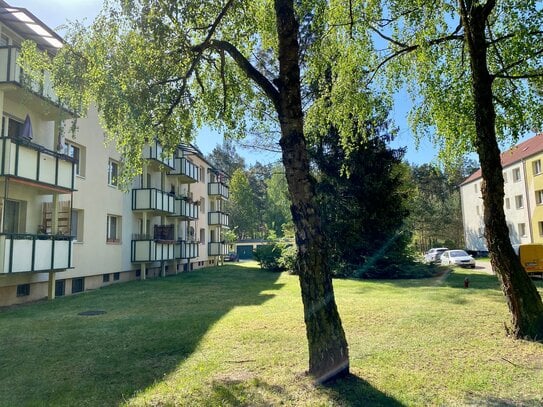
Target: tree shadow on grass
[351,390]
[51,355]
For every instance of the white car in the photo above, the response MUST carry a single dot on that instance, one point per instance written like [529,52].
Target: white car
[457,258]
[433,255]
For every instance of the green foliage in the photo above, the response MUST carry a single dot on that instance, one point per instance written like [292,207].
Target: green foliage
[288,258]
[277,214]
[226,158]
[243,212]
[268,256]
[429,58]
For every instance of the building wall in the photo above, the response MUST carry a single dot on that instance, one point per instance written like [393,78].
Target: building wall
[534,182]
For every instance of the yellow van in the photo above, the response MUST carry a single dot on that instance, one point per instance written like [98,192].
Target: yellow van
[531,257]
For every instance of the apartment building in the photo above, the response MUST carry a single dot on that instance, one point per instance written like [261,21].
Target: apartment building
[523,197]
[66,226]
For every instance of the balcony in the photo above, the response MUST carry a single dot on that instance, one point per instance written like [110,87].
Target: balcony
[185,170]
[218,219]
[217,249]
[153,151]
[186,209]
[13,80]
[187,250]
[152,199]
[217,189]
[34,164]
[149,250]
[34,253]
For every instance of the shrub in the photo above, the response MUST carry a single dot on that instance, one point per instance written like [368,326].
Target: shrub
[268,256]
[287,261]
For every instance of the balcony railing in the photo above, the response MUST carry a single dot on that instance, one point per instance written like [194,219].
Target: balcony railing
[21,158]
[187,250]
[150,250]
[11,72]
[186,209]
[152,199]
[187,171]
[154,151]
[34,253]
[218,189]
[218,219]
[217,249]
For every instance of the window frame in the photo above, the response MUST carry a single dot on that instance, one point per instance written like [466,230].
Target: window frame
[113,176]
[516,172]
[517,206]
[536,167]
[79,157]
[23,290]
[116,238]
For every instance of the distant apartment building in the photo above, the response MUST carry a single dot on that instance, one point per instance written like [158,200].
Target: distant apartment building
[66,227]
[523,197]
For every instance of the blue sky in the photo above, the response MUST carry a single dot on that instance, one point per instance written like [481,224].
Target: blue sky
[56,12]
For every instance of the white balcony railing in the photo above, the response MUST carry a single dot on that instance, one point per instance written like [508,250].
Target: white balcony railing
[35,253]
[187,250]
[23,159]
[217,249]
[218,219]
[150,250]
[154,151]
[152,199]
[11,72]
[218,189]
[186,170]
[186,209]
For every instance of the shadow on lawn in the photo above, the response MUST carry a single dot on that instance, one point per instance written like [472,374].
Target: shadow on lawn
[353,391]
[57,357]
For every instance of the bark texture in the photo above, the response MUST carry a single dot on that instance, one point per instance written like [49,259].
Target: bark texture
[522,297]
[328,350]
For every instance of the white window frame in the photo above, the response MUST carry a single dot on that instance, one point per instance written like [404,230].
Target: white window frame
[71,147]
[516,175]
[113,176]
[113,229]
[539,197]
[521,229]
[77,221]
[536,166]
[519,201]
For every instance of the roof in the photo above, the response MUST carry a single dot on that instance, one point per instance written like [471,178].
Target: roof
[28,26]
[514,154]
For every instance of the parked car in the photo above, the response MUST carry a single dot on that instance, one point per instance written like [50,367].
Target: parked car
[433,255]
[457,258]
[232,256]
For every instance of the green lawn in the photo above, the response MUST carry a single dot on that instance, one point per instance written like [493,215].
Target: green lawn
[235,336]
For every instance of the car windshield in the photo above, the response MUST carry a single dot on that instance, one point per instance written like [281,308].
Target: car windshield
[458,253]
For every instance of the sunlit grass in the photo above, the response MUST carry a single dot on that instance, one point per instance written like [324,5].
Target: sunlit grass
[235,336]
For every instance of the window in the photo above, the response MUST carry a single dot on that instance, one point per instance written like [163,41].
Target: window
[12,216]
[113,229]
[116,276]
[202,236]
[77,152]
[505,177]
[202,174]
[60,287]
[113,173]
[14,127]
[76,225]
[536,166]
[202,205]
[507,203]
[540,225]
[78,285]
[105,278]
[481,232]
[539,197]
[23,290]
[475,188]
[519,202]
[516,174]
[522,229]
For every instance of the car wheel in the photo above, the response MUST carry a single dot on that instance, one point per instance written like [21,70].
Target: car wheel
[472,266]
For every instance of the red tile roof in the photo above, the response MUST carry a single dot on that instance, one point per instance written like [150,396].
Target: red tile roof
[514,154]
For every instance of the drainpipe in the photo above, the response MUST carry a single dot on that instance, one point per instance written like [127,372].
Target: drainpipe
[527,201]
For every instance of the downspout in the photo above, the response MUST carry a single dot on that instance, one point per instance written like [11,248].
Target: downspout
[523,162]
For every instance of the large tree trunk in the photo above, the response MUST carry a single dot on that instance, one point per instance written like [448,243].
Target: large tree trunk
[328,351]
[522,296]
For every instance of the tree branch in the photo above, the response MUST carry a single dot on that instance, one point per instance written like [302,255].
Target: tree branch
[243,63]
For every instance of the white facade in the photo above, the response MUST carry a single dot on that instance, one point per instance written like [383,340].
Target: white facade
[65,225]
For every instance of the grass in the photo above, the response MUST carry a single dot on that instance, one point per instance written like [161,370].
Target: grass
[234,336]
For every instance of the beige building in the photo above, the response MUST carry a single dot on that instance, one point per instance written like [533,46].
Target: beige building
[523,197]
[66,227]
